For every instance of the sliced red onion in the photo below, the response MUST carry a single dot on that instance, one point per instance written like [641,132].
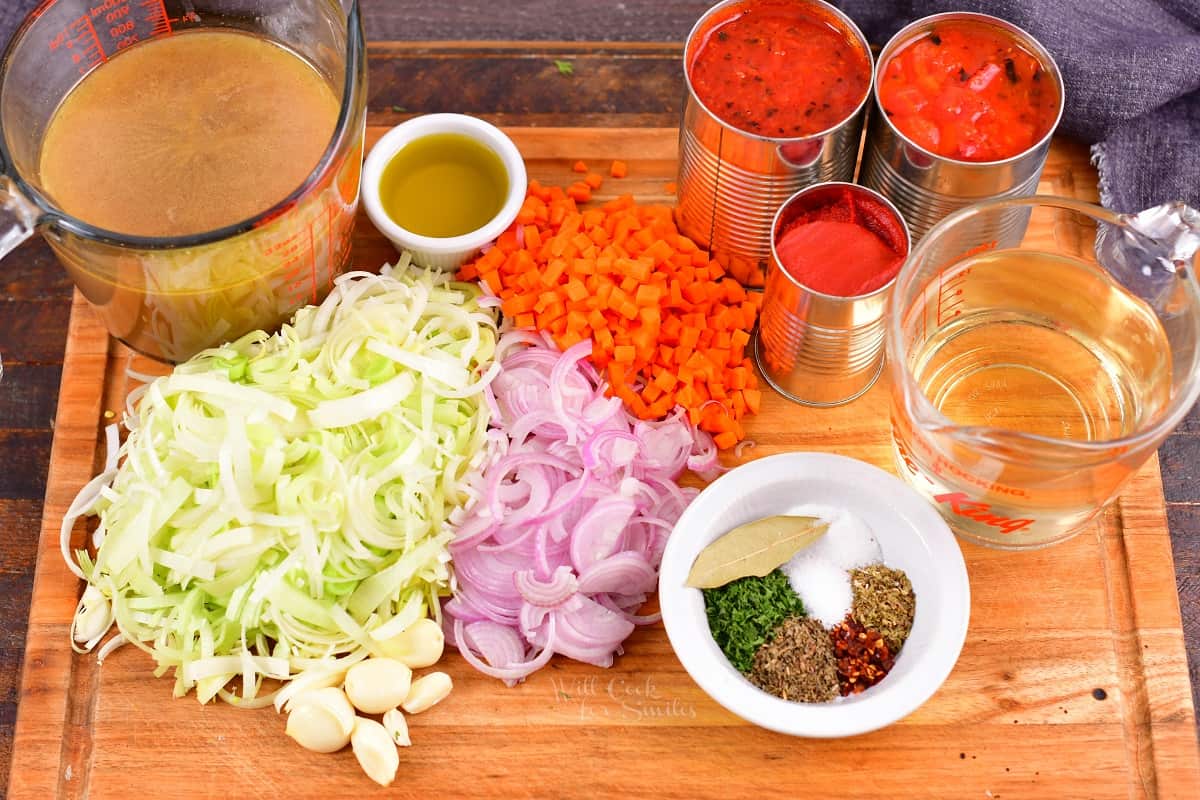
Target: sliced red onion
[610,449]
[509,674]
[624,572]
[499,644]
[551,593]
[645,619]
[742,446]
[598,534]
[703,460]
[575,501]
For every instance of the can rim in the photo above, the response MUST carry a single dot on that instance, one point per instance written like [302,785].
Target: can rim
[777,264]
[850,27]
[909,33]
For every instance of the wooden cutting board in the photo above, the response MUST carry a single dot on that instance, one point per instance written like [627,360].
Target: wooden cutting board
[1073,681]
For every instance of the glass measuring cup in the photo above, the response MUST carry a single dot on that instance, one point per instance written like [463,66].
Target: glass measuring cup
[172,296]
[1040,350]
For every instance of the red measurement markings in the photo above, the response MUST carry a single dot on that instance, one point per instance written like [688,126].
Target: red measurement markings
[332,234]
[312,261]
[292,257]
[950,297]
[79,40]
[156,14]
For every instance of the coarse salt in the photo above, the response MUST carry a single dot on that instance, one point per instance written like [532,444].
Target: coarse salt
[823,586]
[849,543]
[820,573]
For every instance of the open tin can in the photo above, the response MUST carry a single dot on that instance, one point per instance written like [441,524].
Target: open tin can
[815,348]
[926,186]
[732,181]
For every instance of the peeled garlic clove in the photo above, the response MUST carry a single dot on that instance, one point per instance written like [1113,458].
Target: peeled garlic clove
[93,616]
[322,720]
[375,751]
[377,684]
[308,682]
[317,728]
[427,691]
[418,645]
[397,727]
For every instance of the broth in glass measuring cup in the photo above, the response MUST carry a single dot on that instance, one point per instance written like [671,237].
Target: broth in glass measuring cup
[1033,374]
[194,165]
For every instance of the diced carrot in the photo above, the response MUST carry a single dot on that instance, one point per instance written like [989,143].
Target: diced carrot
[579,166]
[660,312]
[579,192]
[554,271]
[507,241]
[619,169]
[575,290]
[533,237]
[578,321]
[492,279]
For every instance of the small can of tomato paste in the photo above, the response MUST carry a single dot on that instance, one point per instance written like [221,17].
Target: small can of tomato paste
[836,249]
[965,106]
[776,91]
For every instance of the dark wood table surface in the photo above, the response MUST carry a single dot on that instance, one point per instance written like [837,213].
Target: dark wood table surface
[493,59]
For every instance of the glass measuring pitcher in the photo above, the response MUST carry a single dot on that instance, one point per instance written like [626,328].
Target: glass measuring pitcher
[172,296]
[1040,350]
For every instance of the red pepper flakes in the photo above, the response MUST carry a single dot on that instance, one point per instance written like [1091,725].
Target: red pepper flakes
[863,658]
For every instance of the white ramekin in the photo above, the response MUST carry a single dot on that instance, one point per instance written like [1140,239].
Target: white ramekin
[446,253]
[914,538]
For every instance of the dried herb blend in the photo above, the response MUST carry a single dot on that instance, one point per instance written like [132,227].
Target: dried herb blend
[884,601]
[797,664]
[863,657]
[743,614]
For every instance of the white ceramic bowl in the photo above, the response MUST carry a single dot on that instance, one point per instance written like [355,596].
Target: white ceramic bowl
[913,537]
[446,253]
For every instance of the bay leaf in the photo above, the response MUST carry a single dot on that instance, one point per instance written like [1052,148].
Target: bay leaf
[755,548]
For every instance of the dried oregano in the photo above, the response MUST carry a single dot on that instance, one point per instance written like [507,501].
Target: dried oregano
[884,602]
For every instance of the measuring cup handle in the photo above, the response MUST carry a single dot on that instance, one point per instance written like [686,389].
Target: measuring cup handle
[18,216]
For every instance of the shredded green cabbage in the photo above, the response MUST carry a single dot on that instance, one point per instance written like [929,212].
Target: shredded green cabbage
[282,502]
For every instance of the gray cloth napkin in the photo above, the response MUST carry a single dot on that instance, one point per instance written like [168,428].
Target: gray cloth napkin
[1132,72]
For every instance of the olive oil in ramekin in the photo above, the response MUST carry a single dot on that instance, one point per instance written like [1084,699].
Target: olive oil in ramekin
[443,185]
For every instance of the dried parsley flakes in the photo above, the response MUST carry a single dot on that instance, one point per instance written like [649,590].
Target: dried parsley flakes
[884,602]
[743,614]
[798,663]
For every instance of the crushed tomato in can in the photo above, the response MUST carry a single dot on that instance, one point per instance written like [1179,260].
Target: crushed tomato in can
[780,69]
